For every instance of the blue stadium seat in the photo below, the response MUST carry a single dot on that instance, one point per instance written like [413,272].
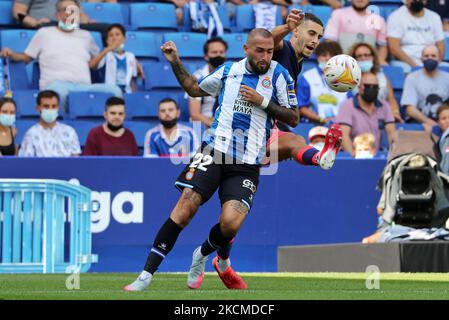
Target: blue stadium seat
[159,75]
[235,45]
[446,52]
[22,127]
[158,16]
[87,104]
[82,128]
[303,129]
[192,66]
[244,18]
[322,12]
[18,77]
[409,126]
[386,10]
[142,44]
[16,40]
[140,128]
[6,18]
[395,75]
[26,103]
[145,104]
[104,12]
[98,39]
[189,44]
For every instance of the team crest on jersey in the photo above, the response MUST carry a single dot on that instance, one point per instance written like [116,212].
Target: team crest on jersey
[190,174]
[266,82]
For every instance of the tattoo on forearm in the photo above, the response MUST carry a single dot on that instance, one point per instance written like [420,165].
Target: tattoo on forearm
[287,115]
[239,206]
[192,196]
[186,80]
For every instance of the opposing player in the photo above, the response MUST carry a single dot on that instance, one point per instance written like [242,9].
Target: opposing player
[251,93]
[307,31]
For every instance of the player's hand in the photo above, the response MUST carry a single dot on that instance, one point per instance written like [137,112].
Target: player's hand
[170,51]
[294,19]
[6,53]
[251,95]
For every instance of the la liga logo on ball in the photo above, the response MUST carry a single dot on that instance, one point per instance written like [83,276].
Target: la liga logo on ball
[266,82]
[342,73]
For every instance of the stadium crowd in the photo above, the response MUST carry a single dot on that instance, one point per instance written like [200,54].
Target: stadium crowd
[72,91]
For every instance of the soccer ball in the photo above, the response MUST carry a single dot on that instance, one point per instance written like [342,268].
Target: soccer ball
[342,73]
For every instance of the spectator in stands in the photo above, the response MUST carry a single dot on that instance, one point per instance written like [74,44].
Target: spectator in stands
[205,17]
[201,109]
[121,67]
[443,143]
[266,12]
[179,4]
[365,146]
[37,13]
[48,137]
[426,89]
[368,59]
[111,138]
[170,138]
[410,29]
[317,102]
[364,113]
[64,53]
[8,133]
[442,8]
[356,24]
[334,4]
[317,136]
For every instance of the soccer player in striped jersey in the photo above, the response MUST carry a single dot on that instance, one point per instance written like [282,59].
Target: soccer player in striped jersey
[252,93]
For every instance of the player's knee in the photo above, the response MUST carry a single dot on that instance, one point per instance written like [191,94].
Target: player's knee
[229,228]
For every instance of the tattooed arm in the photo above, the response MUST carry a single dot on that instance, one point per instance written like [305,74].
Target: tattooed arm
[188,82]
[289,116]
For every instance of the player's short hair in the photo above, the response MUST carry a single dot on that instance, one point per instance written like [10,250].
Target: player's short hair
[311,17]
[365,139]
[118,26]
[77,3]
[443,107]
[114,101]
[333,48]
[212,40]
[46,94]
[353,49]
[261,32]
[5,100]
[168,100]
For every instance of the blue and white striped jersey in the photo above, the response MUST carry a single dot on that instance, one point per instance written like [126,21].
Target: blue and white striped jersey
[241,129]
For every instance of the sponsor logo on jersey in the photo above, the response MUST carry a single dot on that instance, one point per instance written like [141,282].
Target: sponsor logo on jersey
[243,106]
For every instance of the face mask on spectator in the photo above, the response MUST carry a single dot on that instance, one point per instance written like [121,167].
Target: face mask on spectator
[430,65]
[67,27]
[370,92]
[168,124]
[416,6]
[49,115]
[364,155]
[217,61]
[122,47]
[7,120]
[114,128]
[366,65]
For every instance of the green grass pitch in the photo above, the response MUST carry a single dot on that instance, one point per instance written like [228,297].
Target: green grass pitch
[268,286]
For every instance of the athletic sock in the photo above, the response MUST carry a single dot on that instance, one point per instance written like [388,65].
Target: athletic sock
[163,243]
[308,156]
[215,241]
[223,264]
[225,251]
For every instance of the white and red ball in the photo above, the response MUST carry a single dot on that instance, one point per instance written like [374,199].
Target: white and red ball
[342,73]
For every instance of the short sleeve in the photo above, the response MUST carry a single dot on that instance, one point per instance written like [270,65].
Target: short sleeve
[382,34]
[34,48]
[303,92]
[344,114]
[212,83]
[409,93]
[438,30]
[394,26]
[332,28]
[285,90]
[133,59]
[388,114]
[93,48]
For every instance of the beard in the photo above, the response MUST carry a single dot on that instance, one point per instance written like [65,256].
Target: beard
[359,9]
[256,68]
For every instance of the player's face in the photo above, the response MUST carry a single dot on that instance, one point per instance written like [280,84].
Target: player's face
[115,115]
[168,111]
[8,108]
[114,36]
[307,37]
[259,52]
[48,103]
[443,120]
